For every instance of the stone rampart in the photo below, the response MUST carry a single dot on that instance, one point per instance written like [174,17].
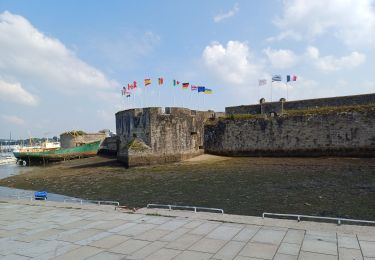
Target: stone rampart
[153,135]
[334,133]
[280,106]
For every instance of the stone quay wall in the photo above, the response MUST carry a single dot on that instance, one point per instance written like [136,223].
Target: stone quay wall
[280,106]
[336,134]
[153,135]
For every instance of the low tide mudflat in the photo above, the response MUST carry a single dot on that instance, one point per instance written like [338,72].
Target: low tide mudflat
[342,187]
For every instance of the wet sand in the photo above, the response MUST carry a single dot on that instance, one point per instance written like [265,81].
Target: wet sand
[342,187]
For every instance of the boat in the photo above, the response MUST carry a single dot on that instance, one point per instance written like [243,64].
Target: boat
[7,160]
[43,154]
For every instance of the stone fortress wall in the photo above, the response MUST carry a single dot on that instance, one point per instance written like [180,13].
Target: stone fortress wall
[280,106]
[272,131]
[153,135]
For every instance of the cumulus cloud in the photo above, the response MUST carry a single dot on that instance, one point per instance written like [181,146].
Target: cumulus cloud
[351,21]
[218,18]
[13,119]
[231,63]
[13,92]
[331,63]
[33,58]
[281,59]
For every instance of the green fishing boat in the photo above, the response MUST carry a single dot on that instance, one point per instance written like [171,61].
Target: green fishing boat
[28,155]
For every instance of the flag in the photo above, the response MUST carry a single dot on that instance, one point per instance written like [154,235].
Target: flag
[287,78]
[160,81]
[194,88]
[176,82]
[276,78]
[294,78]
[185,85]
[147,82]
[201,89]
[262,82]
[134,84]
[127,94]
[123,91]
[208,91]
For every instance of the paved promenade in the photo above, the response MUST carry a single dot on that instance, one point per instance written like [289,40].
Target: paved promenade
[47,230]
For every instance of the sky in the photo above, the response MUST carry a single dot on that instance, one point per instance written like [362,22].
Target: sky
[63,63]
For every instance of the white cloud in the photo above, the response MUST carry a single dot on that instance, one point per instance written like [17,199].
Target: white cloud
[232,63]
[331,63]
[281,59]
[351,21]
[34,59]
[13,119]
[13,92]
[218,18]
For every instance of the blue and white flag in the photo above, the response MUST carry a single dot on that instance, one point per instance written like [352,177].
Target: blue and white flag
[276,78]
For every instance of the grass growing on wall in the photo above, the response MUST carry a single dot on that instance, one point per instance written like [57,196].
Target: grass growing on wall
[330,110]
[305,112]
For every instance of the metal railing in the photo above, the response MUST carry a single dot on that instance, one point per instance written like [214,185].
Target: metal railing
[300,217]
[196,209]
[98,202]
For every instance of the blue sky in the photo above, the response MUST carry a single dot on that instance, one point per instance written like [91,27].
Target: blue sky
[63,64]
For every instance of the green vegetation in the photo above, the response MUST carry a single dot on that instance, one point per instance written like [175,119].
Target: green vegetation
[137,145]
[75,133]
[330,110]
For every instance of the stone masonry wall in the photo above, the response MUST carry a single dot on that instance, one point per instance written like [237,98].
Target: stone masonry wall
[342,134]
[278,107]
[151,135]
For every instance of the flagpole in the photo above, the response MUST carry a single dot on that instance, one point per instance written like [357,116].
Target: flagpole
[287,98]
[271,90]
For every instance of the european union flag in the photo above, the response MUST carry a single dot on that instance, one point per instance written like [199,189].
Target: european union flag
[201,89]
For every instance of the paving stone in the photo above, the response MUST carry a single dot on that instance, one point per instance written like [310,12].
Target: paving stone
[294,236]
[229,250]
[109,224]
[188,255]
[152,235]
[350,254]
[153,220]
[259,250]
[163,254]
[40,235]
[321,236]
[184,242]
[137,229]
[79,253]
[129,246]
[172,225]
[80,235]
[315,256]
[268,236]
[110,241]
[246,233]
[224,232]
[318,246]
[175,234]
[289,249]
[58,251]
[368,248]
[193,224]
[122,227]
[147,250]
[204,229]
[347,241]
[279,256]
[366,237]
[91,239]
[106,256]
[208,245]
[14,257]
